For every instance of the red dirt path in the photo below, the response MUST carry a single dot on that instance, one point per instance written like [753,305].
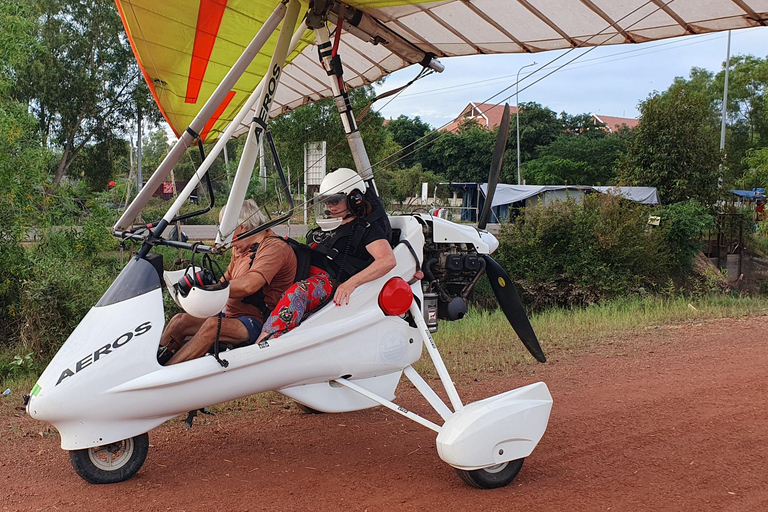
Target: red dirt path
[672,419]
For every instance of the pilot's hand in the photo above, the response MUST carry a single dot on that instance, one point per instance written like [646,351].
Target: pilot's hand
[343,291]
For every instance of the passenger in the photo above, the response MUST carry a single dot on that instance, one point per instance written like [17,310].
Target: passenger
[260,270]
[347,251]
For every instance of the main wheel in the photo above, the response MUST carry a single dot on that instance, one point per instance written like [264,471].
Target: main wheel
[494,476]
[111,463]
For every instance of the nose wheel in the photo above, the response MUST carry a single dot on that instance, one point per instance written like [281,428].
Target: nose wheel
[493,476]
[111,463]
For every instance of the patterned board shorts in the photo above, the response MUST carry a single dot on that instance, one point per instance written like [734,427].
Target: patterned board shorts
[298,301]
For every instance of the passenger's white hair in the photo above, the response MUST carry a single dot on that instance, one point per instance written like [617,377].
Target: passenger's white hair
[250,215]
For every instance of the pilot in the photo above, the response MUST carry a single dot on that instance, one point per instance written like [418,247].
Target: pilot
[261,269]
[350,247]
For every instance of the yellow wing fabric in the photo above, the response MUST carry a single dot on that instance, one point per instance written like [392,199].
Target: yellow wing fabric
[186,47]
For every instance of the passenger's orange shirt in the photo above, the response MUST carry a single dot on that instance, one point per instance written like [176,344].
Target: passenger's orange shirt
[276,263]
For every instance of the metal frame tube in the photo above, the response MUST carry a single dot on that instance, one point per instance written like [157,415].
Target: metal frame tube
[227,135]
[186,139]
[355,141]
[428,393]
[389,405]
[442,371]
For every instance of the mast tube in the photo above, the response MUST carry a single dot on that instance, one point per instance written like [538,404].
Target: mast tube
[343,105]
[226,136]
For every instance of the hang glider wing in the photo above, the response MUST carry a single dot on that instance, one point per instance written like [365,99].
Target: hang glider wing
[185,48]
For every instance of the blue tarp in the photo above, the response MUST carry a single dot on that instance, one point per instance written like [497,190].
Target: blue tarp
[749,194]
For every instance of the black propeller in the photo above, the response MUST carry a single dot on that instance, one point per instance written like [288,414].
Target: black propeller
[501,283]
[496,161]
[510,303]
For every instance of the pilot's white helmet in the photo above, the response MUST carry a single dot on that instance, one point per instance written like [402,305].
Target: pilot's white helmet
[338,185]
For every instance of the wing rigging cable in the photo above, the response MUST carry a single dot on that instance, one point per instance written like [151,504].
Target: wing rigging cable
[540,68]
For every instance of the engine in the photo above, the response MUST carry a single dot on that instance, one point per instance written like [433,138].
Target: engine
[451,271]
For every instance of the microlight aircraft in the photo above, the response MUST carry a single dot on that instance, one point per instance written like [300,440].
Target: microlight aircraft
[213,79]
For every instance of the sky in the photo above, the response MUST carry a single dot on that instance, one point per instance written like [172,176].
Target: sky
[609,80]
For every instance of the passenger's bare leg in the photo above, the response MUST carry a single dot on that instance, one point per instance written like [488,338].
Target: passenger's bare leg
[179,328]
[232,331]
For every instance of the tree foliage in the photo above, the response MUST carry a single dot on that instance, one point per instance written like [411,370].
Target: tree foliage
[674,148]
[465,156]
[756,174]
[577,158]
[320,121]
[82,81]
[411,136]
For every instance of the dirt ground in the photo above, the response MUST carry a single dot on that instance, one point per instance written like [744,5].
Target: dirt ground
[671,419]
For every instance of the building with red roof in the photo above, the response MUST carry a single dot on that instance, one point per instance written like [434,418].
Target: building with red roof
[489,115]
[614,123]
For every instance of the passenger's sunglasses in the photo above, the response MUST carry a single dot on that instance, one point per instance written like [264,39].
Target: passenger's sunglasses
[333,201]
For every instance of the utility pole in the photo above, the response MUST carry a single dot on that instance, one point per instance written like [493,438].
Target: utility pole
[517,121]
[725,92]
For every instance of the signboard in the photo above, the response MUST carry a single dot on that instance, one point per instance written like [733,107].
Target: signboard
[314,163]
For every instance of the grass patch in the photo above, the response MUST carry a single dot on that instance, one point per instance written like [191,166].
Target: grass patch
[484,342]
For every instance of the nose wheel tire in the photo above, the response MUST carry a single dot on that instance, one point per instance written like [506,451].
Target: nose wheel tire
[111,463]
[493,476]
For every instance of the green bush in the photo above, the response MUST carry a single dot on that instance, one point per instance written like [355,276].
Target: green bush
[682,225]
[17,365]
[13,270]
[67,273]
[570,254]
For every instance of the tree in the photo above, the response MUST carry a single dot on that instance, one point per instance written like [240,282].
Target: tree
[23,160]
[82,83]
[675,147]
[410,135]
[97,162]
[756,175]
[747,102]
[554,170]
[539,126]
[466,156]
[588,158]
[17,42]
[747,122]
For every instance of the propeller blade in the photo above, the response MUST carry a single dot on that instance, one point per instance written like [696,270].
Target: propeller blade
[496,161]
[512,307]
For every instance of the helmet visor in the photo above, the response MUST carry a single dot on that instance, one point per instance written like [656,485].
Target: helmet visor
[323,205]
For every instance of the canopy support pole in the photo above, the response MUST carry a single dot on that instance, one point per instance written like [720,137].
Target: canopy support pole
[332,65]
[190,134]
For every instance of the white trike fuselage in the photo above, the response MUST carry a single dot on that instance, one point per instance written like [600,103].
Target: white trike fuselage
[105,384]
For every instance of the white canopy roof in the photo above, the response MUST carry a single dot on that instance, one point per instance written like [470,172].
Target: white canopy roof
[644,195]
[473,27]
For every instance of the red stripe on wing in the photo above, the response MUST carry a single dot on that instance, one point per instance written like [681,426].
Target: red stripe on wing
[208,22]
